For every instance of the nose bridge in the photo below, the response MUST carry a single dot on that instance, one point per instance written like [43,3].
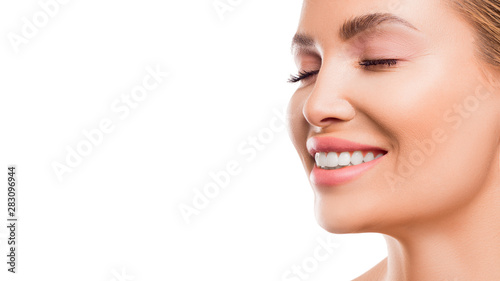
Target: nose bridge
[330,77]
[329,98]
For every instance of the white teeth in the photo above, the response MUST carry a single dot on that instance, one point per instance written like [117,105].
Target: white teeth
[368,157]
[333,160]
[344,159]
[322,159]
[357,158]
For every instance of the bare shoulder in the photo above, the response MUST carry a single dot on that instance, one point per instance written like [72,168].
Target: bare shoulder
[376,273]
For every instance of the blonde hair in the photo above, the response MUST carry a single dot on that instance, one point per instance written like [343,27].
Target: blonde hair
[484,17]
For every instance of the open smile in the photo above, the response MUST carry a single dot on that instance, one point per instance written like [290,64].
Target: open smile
[338,161]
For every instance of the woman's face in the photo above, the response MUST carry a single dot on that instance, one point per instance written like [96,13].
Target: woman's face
[404,83]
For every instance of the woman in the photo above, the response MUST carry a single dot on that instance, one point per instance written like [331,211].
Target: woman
[396,120]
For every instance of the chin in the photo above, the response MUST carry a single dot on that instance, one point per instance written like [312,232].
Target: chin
[342,220]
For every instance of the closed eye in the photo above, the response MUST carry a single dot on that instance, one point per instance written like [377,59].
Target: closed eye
[365,64]
[384,62]
[302,75]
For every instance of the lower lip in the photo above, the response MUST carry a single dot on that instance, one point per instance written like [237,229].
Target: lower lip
[323,177]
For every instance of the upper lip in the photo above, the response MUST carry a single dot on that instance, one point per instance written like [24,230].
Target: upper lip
[327,144]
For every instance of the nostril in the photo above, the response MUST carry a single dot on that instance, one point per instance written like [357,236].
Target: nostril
[329,119]
[322,111]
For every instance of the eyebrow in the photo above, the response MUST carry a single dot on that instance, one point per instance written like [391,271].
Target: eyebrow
[353,27]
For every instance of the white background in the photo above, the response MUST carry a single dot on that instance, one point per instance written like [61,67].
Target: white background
[116,215]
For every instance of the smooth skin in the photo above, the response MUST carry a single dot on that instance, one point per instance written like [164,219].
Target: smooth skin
[437,207]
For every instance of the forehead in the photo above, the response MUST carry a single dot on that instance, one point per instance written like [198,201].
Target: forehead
[327,13]
[323,20]
[354,26]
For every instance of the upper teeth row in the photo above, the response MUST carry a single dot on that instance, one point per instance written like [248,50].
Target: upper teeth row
[335,160]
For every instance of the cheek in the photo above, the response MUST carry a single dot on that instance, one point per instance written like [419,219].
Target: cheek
[297,125]
[441,125]
[418,103]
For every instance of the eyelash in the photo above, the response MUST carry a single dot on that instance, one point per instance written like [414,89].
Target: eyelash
[365,64]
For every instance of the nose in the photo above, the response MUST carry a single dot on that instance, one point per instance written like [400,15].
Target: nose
[327,103]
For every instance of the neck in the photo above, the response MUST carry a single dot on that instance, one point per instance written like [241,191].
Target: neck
[456,247]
